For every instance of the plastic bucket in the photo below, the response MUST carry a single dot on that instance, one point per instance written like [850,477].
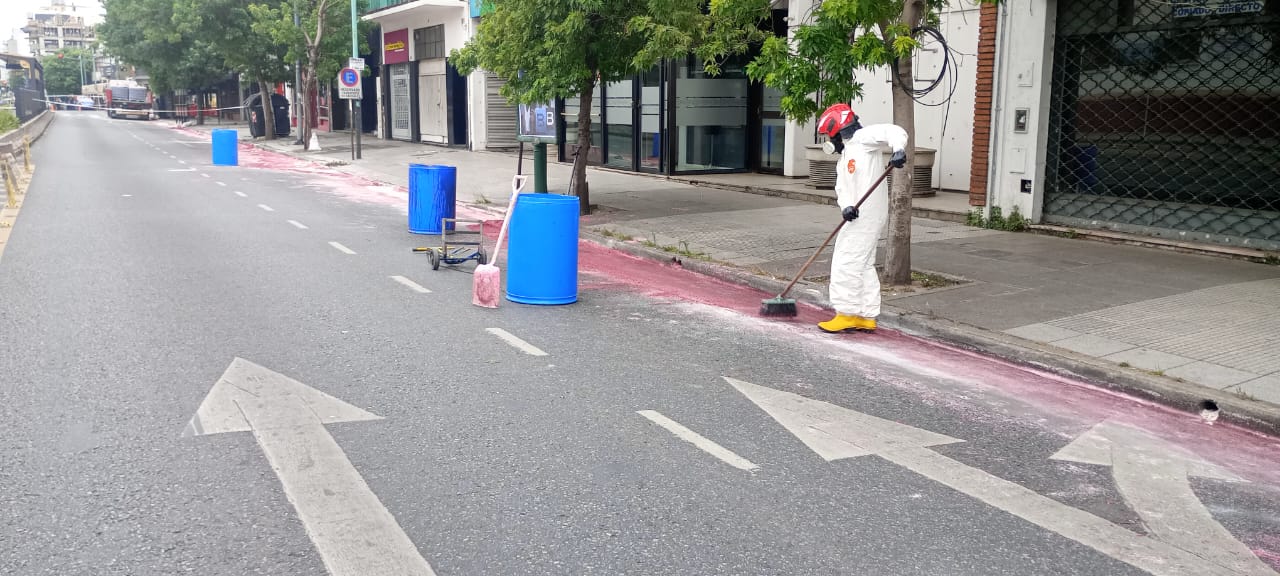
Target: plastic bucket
[226,150]
[542,250]
[433,193]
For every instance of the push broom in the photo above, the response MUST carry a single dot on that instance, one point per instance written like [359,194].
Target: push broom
[487,279]
[783,306]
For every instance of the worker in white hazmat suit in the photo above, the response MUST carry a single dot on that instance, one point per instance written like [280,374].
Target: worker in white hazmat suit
[855,287]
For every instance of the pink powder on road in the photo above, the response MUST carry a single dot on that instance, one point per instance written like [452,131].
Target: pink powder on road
[1075,404]
[985,381]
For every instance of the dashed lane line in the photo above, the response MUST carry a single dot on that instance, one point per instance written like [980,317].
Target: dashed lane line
[339,247]
[516,342]
[411,284]
[724,454]
[298,225]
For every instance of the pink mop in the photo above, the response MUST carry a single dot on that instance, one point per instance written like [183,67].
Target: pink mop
[487,281]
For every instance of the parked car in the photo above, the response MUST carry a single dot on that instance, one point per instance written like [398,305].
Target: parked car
[85,103]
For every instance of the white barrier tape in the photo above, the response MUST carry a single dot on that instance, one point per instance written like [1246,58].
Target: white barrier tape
[149,110]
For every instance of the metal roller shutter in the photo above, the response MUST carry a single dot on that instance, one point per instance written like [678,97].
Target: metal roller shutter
[500,117]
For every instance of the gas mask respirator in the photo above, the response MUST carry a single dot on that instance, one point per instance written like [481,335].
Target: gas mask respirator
[836,144]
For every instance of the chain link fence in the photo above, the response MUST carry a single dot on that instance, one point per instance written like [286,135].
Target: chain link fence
[1165,119]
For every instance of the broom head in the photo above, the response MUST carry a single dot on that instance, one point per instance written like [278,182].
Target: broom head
[778,307]
[485,285]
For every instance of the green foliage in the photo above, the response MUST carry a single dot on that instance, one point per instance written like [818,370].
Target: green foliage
[975,218]
[17,79]
[62,70]
[149,34]
[548,49]
[8,121]
[996,220]
[322,40]
[819,66]
[226,26]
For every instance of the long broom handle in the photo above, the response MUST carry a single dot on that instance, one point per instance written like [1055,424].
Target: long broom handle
[839,226]
[517,184]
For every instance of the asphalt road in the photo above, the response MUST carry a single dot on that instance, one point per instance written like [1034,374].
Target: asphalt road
[597,438]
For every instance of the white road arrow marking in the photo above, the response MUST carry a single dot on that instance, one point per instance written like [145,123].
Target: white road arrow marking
[834,433]
[352,530]
[1152,474]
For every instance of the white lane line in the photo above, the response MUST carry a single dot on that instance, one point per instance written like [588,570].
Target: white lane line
[126,195]
[411,284]
[342,248]
[298,225]
[724,454]
[221,183]
[206,176]
[267,208]
[182,161]
[519,344]
[241,194]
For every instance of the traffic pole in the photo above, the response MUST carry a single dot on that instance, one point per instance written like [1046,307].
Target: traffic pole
[540,167]
[355,53]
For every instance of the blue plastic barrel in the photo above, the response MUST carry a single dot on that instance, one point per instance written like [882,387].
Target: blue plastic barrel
[225,147]
[433,191]
[542,250]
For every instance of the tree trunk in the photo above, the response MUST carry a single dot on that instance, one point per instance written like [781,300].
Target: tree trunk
[897,260]
[268,111]
[584,150]
[308,96]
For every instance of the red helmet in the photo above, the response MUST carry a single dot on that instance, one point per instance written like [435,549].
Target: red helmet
[836,118]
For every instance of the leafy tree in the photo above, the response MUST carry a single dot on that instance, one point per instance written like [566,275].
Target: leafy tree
[322,40]
[819,67]
[549,49]
[143,33]
[227,27]
[62,70]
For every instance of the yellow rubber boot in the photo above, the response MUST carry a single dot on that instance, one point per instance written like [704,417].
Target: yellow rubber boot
[847,322]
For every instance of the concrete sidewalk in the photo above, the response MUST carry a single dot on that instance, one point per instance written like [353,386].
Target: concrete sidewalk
[1154,314]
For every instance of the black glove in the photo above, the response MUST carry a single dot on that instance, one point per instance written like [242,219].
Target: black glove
[899,159]
[850,213]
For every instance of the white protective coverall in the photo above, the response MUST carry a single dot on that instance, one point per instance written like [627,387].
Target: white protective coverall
[854,286]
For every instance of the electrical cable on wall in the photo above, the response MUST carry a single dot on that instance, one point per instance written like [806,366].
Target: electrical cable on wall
[948,73]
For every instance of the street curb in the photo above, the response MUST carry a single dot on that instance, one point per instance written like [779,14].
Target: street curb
[1256,255]
[1186,397]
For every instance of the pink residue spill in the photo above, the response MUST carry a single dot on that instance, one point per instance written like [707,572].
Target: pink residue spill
[1076,405]
[962,379]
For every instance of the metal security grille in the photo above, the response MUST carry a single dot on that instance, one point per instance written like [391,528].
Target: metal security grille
[1165,119]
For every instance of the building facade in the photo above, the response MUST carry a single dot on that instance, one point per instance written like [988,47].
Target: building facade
[1140,116]
[57,26]
[422,96]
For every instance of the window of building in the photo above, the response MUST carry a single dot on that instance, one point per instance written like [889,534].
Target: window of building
[428,43]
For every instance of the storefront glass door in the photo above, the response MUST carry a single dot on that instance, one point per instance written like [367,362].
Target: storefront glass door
[619,118]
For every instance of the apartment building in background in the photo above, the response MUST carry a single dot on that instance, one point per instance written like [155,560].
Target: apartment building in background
[60,25]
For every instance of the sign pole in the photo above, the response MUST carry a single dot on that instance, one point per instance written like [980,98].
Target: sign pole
[540,167]
[356,114]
